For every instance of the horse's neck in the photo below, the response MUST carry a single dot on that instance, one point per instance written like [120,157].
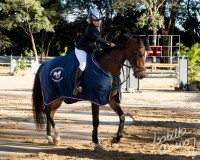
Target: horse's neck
[112,62]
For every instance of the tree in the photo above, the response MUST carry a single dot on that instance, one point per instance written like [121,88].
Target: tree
[169,11]
[188,18]
[29,15]
[46,38]
[4,43]
[150,17]
[193,55]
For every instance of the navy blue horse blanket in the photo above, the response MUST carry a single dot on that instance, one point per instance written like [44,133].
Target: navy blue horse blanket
[57,81]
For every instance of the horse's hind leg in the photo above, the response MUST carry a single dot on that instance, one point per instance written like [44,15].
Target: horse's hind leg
[95,123]
[49,137]
[114,104]
[50,110]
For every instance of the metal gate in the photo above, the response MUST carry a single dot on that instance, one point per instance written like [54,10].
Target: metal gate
[180,73]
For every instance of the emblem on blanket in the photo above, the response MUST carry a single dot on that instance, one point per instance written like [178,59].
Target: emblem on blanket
[57,74]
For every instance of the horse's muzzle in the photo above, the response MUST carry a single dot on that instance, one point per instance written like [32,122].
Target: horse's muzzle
[139,75]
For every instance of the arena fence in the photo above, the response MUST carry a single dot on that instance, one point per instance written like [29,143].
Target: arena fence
[19,62]
[177,71]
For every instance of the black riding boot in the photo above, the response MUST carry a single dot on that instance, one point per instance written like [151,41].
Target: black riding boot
[78,79]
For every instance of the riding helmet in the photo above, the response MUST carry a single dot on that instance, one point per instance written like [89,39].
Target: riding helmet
[95,15]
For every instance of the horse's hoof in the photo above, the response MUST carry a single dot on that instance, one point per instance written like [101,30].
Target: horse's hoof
[116,139]
[50,140]
[50,143]
[115,142]
[97,147]
[115,145]
[56,142]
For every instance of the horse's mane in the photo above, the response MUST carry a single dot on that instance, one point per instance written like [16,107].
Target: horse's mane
[120,41]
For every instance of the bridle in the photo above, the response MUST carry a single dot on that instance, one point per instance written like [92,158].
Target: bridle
[136,68]
[133,66]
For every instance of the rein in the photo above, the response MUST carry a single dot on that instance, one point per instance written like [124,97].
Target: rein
[128,66]
[116,61]
[131,65]
[134,67]
[123,65]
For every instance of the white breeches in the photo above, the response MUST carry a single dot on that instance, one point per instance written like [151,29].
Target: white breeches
[82,57]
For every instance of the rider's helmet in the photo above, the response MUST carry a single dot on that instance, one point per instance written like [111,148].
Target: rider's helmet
[95,15]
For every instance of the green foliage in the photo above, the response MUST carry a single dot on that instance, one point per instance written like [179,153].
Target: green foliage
[183,49]
[121,6]
[28,52]
[22,64]
[64,52]
[29,15]
[150,16]
[42,17]
[155,22]
[5,42]
[193,55]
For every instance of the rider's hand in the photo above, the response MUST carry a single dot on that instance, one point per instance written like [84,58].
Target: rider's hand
[112,45]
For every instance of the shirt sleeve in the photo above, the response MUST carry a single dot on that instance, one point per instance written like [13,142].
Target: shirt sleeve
[103,41]
[95,35]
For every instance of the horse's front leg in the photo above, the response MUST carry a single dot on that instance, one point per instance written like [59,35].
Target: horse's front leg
[114,104]
[95,123]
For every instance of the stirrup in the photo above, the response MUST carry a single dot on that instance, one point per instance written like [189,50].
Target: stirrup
[77,90]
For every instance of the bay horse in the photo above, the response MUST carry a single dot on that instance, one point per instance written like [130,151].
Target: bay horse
[133,49]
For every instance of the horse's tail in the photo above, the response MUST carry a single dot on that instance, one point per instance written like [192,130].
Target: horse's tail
[37,101]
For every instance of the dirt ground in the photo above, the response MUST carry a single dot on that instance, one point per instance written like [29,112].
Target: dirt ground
[166,127]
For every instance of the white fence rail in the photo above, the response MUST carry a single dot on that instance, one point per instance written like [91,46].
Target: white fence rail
[14,61]
[178,71]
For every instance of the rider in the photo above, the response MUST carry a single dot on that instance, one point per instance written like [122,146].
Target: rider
[87,44]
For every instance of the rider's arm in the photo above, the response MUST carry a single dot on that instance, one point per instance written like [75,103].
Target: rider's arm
[94,34]
[103,41]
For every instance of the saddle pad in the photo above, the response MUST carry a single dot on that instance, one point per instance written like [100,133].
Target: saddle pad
[57,81]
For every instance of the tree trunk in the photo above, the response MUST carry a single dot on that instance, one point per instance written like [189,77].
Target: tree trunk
[30,33]
[33,45]
[154,40]
[173,16]
[165,41]
[168,28]
[47,52]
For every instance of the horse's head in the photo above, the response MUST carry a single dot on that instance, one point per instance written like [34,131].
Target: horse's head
[136,54]
[128,47]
